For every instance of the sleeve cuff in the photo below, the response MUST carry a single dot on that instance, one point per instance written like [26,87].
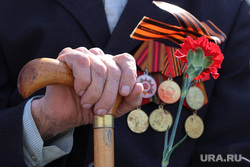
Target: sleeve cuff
[35,151]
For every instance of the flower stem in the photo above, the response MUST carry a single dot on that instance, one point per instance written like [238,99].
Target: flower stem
[171,141]
[184,91]
[169,149]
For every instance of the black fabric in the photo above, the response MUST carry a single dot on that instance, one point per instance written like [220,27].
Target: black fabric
[42,28]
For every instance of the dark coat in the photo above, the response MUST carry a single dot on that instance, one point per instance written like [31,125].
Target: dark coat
[42,28]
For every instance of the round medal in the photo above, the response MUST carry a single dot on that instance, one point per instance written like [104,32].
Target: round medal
[137,121]
[169,92]
[160,120]
[194,126]
[149,85]
[195,98]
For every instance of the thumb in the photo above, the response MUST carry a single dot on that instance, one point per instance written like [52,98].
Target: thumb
[131,101]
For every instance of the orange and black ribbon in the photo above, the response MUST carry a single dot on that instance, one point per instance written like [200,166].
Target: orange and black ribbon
[150,29]
[214,31]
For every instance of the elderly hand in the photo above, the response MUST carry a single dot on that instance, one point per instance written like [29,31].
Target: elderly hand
[97,80]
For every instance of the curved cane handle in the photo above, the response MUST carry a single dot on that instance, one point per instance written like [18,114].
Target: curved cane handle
[42,72]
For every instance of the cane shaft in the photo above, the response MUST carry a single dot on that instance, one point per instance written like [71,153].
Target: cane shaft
[103,141]
[104,147]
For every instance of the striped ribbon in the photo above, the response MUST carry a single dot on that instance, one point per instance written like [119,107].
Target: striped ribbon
[214,31]
[150,29]
[172,65]
[158,58]
[151,55]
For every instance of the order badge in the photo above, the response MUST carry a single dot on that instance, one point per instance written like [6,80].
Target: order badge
[149,85]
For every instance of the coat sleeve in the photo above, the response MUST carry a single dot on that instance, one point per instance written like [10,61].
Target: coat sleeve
[10,121]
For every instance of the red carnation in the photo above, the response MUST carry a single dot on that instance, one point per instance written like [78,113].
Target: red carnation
[210,50]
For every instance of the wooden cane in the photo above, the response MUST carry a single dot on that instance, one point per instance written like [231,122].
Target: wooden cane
[39,73]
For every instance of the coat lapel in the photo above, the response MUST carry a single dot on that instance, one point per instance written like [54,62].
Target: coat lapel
[91,16]
[134,11]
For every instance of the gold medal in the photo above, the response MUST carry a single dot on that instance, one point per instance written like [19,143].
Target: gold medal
[160,119]
[137,121]
[195,98]
[194,126]
[169,91]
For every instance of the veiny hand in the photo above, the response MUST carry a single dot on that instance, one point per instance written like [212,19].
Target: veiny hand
[97,80]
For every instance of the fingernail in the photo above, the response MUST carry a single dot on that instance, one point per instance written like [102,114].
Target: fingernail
[101,112]
[81,93]
[125,90]
[87,106]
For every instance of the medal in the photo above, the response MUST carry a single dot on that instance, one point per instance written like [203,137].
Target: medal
[169,91]
[148,83]
[160,120]
[195,98]
[137,121]
[194,126]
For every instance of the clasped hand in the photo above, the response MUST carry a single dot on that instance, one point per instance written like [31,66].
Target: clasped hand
[98,78]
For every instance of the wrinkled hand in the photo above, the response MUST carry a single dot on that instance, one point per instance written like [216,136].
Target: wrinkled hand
[97,80]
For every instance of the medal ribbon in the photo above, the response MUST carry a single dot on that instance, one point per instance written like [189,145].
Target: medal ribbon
[150,55]
[150,29]
[159,58]
[172,65]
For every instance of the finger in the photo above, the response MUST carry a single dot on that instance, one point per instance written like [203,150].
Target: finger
[79,63]
[98,79]
[110,91]
[96,51]
[128,76]
[132,101]
[65,50]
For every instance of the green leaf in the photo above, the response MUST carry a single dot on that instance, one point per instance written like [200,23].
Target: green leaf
[198,56]
[206,63]
[195,73]
[208,57]
[190,69]
[190,56]
[165,161]
[176,145]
